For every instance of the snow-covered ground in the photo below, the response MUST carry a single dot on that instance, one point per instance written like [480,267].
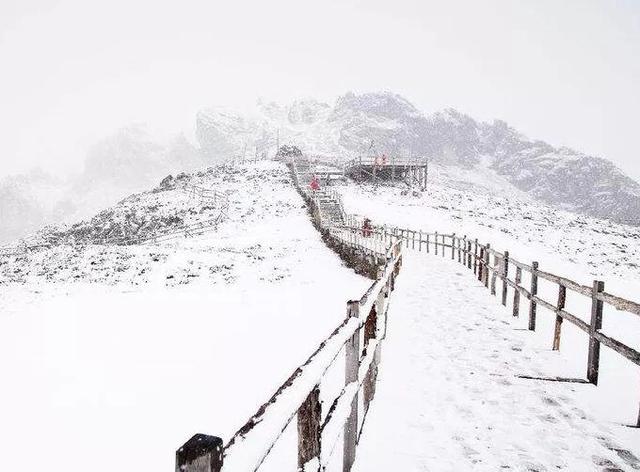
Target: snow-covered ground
[484,206]
[448,395]
[115,369]
[123,352]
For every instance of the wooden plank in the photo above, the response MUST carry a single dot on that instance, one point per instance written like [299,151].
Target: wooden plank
[309,417]
[562,297]
[620,348]
[570,284]
[593,363]
[620,303]
[533,293]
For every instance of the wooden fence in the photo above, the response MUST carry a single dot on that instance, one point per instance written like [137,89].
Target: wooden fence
[359,339]
[499,271]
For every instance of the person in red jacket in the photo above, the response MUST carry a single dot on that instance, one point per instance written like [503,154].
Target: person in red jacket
[315,184]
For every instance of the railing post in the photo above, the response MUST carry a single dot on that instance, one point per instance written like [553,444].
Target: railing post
[453,246]
[201,453]
[436,243]
[475,256]
[460,259]
[516,292]
[593,365]
[562,297]
[427,243]
[480,266]
[533,293]
[420,243]
[309,417]
[352,358]
[469,254]
[444,244]
[494,276]
[486,265]
[505,276]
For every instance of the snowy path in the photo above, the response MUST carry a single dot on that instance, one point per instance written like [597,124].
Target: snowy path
[448,398]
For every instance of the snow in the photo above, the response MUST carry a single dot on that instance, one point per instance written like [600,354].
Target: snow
[118,375]
[448,396]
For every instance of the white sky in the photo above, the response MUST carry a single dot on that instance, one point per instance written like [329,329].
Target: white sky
[73,70]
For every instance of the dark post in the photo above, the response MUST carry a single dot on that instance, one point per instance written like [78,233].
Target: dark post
[562,297]
[516,292]
[593,365]
[309,417]
[444,243]
[475,256]
[459,252]
[352,355]
[505,276]
[534,291]
[201,453]
[436,242]
[480,268]
[427,243]
[486,265]
[468,254]
[453,247]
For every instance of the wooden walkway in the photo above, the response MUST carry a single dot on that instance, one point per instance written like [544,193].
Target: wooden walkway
[450,398]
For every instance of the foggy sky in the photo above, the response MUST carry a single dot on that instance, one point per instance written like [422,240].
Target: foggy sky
[72,71]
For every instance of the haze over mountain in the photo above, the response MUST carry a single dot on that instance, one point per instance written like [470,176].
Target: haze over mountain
[132,159]
[559,176]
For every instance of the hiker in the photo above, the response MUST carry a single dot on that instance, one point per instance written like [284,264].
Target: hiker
[366,228]
[315,185]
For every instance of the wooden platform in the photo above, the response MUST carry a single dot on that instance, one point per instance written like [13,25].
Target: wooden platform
[411,170]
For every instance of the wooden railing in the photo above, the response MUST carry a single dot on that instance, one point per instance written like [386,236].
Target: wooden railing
[490,266]
[358,338]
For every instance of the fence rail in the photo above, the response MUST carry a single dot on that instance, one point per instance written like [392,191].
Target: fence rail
[491,266]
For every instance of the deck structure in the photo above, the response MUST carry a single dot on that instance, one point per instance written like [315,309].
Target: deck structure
[413,171]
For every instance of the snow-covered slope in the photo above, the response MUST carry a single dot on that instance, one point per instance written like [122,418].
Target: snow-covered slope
[558,176]
[122,353]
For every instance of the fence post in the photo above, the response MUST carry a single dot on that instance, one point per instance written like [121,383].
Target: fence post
[352,355]
[533,293]
[593,365]
[420,242]
[480,270]
[494,275]
[309,417]
[486,265]
[436,242]
[444,244]
[460,259]
[427,243]
[562,297]
[201,453]
[475,256]
[453,247]
[516,292]
[469,254]
[505,276]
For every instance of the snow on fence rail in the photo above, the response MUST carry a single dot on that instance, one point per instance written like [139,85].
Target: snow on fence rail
[359,336]
[489,265]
